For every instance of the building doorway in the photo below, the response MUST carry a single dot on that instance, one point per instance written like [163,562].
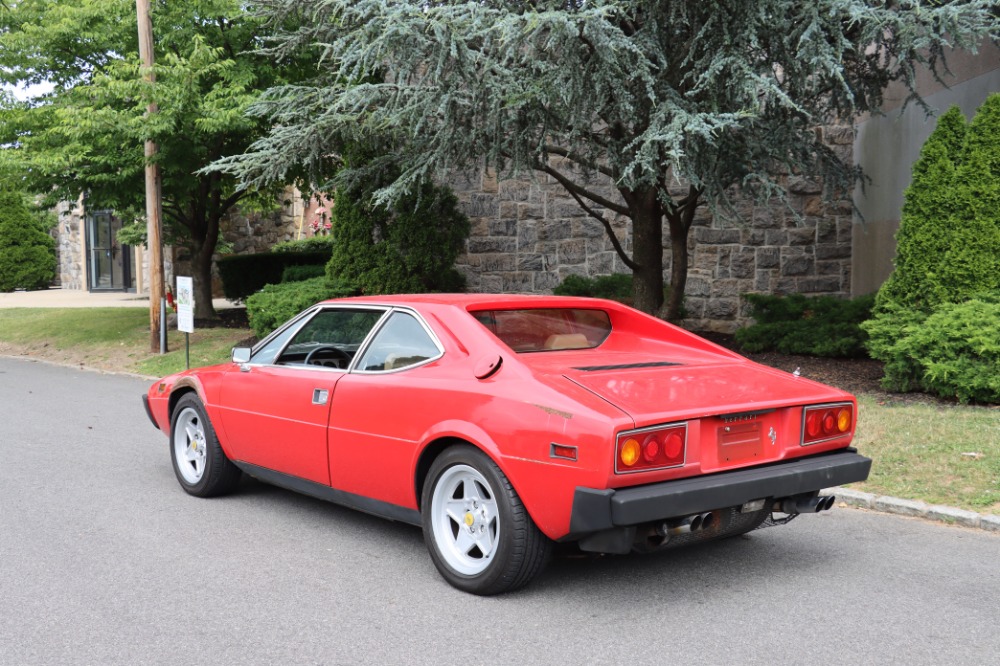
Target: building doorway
[109,263]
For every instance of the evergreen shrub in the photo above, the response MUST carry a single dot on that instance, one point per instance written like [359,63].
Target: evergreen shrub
[797,324]
[953,353]
[275,304]
[616,287]
[948,254]
[408,248]
[27,252]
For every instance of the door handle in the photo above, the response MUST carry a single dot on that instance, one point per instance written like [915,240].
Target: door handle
[320,396]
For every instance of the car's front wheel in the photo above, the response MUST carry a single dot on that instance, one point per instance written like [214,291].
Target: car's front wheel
[478,532]
[200,464]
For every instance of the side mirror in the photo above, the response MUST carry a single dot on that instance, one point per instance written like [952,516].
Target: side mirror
[241,355]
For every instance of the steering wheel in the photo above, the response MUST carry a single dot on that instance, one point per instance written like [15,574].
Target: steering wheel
[343,358]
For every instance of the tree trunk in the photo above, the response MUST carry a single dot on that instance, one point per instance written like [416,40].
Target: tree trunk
[201,267]
[678,267]
[647,250]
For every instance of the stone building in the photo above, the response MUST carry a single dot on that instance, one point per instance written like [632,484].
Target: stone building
[529,234]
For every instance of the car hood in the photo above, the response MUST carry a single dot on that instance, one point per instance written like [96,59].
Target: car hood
[658,390]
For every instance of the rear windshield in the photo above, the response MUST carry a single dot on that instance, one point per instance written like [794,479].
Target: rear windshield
[548,329]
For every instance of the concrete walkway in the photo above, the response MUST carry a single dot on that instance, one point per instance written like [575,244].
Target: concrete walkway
[78,298]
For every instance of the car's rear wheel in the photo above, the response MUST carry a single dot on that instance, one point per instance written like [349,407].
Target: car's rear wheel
[200,464]
[478,532]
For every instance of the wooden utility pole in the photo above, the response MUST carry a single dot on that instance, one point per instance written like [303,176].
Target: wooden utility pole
[154,206]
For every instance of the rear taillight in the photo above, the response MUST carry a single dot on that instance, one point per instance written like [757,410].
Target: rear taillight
[824,422]
[647,449]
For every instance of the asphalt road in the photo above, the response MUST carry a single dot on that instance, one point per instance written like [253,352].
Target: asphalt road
[104,560]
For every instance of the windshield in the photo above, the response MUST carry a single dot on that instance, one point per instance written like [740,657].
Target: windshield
[547,329]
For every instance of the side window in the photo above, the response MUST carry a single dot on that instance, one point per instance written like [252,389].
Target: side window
[331,338]
[401,343]
[266,353]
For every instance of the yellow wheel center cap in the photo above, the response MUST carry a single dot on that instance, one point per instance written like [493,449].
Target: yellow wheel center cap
[469,519]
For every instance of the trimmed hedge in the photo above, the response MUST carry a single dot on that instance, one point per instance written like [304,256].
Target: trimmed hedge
[300,273]
[245,274]
[27,253]
[309,244]
[796,324]
[275,304]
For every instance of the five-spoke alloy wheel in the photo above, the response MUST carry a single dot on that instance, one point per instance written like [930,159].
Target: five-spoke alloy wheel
[200,464]
[479,534]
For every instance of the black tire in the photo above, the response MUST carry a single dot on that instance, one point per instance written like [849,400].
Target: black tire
[200,464]
[515,550]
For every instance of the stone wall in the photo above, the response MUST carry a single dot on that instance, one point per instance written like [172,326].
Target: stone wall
[528,234]
[69,246]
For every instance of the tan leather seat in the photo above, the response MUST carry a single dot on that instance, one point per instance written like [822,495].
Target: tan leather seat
[567,341]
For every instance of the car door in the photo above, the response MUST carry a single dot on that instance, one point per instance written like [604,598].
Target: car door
[383,407]
[275,410]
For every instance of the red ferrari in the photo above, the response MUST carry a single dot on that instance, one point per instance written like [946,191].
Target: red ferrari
[502,424]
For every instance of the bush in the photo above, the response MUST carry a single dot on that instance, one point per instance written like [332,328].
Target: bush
[617,287]
[300,273]
[953,353]
[245,274]
[27,252]
[410,247]
[275,304]
[796,324]
[310,244]
[948,255]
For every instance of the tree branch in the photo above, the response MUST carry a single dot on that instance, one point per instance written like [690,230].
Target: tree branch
[574,188]
[579,159]
[611,232]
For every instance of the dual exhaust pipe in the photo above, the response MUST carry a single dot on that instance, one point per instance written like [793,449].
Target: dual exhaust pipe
[805,504]
[694,523]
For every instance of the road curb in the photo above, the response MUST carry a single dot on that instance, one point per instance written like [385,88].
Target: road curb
[916,509]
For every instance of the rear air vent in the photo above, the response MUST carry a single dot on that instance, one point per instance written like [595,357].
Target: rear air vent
[626,366]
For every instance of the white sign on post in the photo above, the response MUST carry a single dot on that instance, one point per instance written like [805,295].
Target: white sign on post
[185,304]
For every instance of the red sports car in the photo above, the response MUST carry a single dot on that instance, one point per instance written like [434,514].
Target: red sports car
[502,424]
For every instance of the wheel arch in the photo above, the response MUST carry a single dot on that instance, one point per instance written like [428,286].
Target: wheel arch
[429,454]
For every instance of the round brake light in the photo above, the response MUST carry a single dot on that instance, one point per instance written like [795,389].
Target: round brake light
[829,423]
[813,424]
[650,448]
[674,446]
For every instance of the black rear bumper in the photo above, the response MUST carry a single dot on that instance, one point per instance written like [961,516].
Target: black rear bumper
[597,510]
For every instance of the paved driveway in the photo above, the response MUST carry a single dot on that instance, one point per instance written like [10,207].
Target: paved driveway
[104,560]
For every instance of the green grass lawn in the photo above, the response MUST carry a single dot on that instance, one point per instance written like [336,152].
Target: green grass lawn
[939,453]
[918,449]
[115,339]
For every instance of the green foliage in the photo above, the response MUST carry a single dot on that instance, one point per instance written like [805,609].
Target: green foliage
[27,252]
[308,244]
[953,353]
[87,135]
[303,272]
[246,274]
[408,248]
[797,324]
[948,256]
[277,303]
[617,287]
[640,93]
[948,245]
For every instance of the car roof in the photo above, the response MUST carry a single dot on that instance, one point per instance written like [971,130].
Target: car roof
[482,301]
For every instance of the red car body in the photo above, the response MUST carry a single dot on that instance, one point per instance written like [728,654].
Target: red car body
[717,443]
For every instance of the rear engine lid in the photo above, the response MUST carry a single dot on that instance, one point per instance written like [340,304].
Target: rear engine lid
[657,390]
